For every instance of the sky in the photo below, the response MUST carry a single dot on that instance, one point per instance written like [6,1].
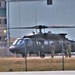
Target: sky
[31,13]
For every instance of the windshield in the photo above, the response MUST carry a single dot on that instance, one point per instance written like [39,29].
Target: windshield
[18,42]
[23,41]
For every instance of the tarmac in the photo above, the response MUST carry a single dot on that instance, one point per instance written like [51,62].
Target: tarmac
[40,73]
[47,57]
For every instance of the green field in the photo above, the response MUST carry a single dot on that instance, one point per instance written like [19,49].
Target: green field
[40,64]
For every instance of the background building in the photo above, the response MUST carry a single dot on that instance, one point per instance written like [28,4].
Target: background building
[3,20]
[37,12]
[3,25]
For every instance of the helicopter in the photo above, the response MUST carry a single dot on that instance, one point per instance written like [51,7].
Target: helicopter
[40,42]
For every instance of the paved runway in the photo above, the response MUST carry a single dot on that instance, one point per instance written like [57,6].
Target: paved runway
[35,57]
[40,73]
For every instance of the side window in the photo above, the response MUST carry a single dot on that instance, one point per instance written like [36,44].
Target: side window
[0,4]
[5,21]
[0,37]
[45,42]
[29,43]
[50,42]
[0,21]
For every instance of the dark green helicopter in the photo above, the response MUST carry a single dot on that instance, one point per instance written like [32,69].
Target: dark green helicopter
[40,43]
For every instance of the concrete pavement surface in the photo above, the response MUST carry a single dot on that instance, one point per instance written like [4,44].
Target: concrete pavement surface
[40,73]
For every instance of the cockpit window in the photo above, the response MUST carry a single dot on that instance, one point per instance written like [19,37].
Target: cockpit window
[18,42]
[23,41]
[15,42]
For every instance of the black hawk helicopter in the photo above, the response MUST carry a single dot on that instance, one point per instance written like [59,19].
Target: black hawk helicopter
[40,43]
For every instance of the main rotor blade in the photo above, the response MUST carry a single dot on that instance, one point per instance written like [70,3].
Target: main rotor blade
[38,27]
[61,26]
[21,28]
[42,27]
[33,27]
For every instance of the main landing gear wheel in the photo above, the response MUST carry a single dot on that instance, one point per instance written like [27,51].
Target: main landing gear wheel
[42,55]
[23,55]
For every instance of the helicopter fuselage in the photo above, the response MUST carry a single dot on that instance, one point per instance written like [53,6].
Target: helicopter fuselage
[39,47]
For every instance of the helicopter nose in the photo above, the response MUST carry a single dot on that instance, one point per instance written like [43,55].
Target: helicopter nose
[12,49]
